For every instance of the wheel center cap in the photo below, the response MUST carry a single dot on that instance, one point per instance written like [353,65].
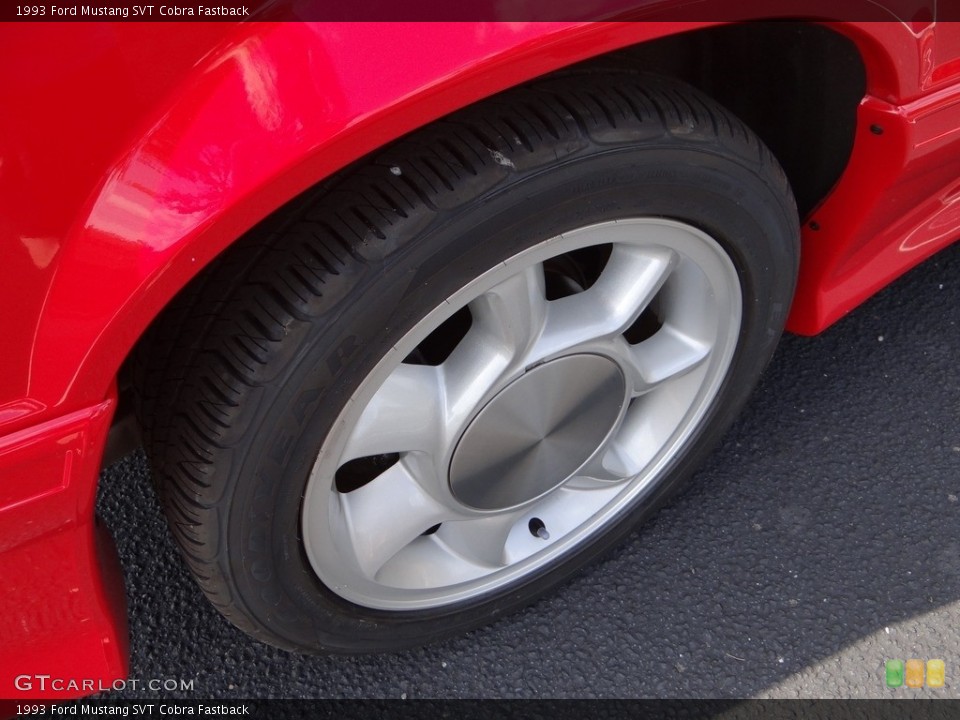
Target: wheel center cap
[537,432]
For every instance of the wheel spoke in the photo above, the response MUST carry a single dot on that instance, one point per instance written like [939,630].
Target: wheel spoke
[630,280]
[480,540]
[402,416]
[507,320]
[647,426]
[669,354]
[514,311]
[387,514]
[428,562]
[594,475]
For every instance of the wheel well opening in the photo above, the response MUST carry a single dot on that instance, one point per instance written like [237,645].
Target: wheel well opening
[796,84]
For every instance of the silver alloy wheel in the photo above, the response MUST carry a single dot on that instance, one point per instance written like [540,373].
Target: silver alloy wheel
[543,426]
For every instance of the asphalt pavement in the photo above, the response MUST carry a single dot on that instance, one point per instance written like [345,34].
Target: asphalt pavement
[820,539]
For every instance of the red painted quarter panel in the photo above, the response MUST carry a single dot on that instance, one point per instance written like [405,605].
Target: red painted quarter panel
[131,155]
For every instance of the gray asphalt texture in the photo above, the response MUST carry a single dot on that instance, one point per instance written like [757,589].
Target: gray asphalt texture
[821,538]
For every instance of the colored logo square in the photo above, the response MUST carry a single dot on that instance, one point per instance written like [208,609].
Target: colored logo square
[894,670]
[936,673]
[914,673]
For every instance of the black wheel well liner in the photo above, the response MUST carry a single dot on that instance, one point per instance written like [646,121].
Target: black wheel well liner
[796,84]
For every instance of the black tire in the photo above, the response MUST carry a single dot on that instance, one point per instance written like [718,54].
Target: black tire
[241,379]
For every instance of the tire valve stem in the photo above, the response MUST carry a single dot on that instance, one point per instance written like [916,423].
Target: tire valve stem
[538,529]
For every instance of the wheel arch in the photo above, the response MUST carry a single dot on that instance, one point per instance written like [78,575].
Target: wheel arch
[255,126]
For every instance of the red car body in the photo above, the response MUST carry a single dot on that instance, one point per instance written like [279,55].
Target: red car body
[132,154]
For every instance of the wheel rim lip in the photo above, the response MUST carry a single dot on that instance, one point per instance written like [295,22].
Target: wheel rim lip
[322,549]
